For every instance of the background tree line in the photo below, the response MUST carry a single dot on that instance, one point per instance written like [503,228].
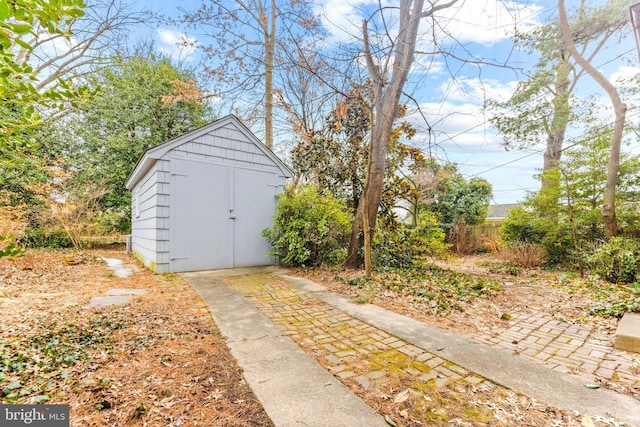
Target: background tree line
[76,122]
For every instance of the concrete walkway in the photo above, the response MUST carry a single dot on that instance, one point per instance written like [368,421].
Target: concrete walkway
[295,390]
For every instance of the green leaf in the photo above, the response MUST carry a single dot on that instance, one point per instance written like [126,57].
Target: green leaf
[21,28]
[5,10]
[23,44]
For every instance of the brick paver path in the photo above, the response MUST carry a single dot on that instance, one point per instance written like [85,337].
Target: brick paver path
[566,347]
[350,348]
[360,353]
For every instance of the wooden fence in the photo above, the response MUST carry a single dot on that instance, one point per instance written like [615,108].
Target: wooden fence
[481,236]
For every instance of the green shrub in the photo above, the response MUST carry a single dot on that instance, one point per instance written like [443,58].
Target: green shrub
[37,237]
[558,245]
[8,247]
[617,260]
[551,232]
[520,226]
[400,246]
[309,228]
[111,221]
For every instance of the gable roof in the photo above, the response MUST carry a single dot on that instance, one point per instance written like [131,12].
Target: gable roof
[497,212]
[151,155]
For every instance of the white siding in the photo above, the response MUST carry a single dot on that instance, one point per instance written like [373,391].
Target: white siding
[226,145]
[150,229]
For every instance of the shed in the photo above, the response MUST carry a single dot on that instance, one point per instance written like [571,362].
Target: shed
[201,200]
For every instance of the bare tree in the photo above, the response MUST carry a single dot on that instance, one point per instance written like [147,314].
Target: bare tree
[247,39]
[620,110]
[85,41]
[388,80]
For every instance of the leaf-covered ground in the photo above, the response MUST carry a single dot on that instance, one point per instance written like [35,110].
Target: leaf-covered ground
[158,360]
[477,295]
[486,290]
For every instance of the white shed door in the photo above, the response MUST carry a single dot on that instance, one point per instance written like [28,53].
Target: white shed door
[218,216]
[200,237]
[254,206]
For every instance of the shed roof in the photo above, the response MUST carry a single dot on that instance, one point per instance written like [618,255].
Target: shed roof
[497,212]
[151,155]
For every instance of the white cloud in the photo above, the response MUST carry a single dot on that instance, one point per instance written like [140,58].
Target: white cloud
[175,44]
[429,64]
[482,21]
[477,90]
[459,127]
[461,108]
[487,21]
[342,18]
[624,74]
[55,45]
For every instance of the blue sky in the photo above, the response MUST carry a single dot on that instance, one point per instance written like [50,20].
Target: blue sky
[451,99]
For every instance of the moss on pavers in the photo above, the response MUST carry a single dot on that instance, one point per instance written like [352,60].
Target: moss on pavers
[375,362]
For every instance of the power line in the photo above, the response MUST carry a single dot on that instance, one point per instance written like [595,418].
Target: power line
[485,122]
[542,151]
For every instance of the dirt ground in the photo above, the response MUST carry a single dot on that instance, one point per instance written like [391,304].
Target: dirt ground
[160,360]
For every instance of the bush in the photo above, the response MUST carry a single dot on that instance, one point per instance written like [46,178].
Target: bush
[558,246]
[8,247]
[520,226]
[36,237]
[111,221]
[309,228]
[551,233]
[400,246]
[523,254]
[617,260]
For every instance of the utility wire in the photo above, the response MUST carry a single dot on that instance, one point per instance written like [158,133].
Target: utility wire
[485,122]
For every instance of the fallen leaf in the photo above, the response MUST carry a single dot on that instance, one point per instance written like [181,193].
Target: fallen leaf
[389,421]
[401,397]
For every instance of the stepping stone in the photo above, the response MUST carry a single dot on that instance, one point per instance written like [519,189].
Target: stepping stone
[628,333]
[119,270]
[115,296]
[109,300]
[125,291]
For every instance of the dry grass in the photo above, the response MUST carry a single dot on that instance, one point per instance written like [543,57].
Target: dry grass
[522,254]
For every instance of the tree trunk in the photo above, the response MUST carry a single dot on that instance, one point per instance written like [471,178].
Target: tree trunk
[574,232]
[354,258]
[269,45]
[386,95]
[368,235]
[556,131]
[620,110]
